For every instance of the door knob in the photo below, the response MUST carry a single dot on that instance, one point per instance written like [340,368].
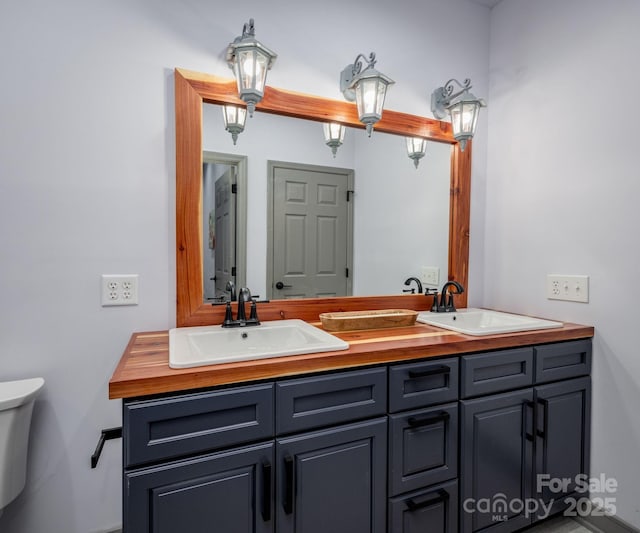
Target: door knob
[280,286]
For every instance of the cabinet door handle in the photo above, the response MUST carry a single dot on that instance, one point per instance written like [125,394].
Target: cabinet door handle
[441,369]
[529,405]
[266,491]
[413,505]
[416,421]
[287,502]
[545,415]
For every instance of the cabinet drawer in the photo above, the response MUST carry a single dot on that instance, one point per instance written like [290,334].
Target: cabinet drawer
[423,447]
[330,399]
[496,371]
[563,360]
[434,510]
[176,426]
[421,384]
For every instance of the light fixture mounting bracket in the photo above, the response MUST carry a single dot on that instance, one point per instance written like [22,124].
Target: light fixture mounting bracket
[441,98]
[351,71]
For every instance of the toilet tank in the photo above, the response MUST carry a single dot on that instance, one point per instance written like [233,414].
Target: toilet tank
[16,406]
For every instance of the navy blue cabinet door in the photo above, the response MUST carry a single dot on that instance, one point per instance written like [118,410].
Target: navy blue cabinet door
[563,427]
[229,491]
[496,461]
[333,480]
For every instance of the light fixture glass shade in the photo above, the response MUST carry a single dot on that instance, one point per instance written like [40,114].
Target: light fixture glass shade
[333,135]
[371,89]
[464,118]
[416,149]
[234,120]
[462,107]
[250,61]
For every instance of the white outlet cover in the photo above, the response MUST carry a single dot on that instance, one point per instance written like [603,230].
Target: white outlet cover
[430,275]
[568,287]
[119,289]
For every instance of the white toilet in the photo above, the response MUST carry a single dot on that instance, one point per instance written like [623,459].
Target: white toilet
[16,406]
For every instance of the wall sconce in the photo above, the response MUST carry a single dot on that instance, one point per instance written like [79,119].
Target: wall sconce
[250,59]
[463,108]
[416,149]
[333,135]
[367,87]
[234,119]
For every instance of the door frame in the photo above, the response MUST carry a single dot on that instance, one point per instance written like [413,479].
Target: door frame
[240,162]
[271,166]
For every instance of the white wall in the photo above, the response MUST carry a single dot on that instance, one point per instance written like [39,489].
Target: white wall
[562,195]
[402,217]
[87,187]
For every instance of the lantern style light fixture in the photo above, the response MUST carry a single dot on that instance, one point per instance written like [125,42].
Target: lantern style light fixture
[367,87]
[250,59]
[234,119]
[333,135]
[416,149]
[463,108]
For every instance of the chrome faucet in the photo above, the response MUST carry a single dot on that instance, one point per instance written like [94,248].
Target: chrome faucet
[446,305]
[408,281]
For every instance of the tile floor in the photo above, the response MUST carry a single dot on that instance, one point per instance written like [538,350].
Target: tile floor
[559,525]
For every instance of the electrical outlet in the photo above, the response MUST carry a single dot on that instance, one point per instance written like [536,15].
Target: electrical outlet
[119,289]
[569,288]
[430,275]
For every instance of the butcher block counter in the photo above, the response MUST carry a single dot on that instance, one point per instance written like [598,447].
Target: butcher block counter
[144,367]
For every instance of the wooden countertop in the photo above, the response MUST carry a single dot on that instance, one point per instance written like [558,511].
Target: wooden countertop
[144,366]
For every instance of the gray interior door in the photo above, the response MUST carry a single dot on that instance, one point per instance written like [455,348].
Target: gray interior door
[225,215]
[310,237]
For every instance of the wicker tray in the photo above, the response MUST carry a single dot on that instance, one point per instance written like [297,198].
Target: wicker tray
[379,318]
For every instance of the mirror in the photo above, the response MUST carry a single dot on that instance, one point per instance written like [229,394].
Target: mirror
[399,214]
[191,90]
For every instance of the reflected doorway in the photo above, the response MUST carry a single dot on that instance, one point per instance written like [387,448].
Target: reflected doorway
[224,181]
[310,231]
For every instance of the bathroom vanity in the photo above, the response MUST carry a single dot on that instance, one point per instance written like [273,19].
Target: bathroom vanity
[405,431]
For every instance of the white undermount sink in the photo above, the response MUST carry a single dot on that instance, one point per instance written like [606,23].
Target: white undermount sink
[211,345]
[473,321]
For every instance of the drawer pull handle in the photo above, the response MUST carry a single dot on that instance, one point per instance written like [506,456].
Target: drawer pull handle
[528,405]
[414,505]
[434,371]
[287,503]
[415,421]
[545,415]
[266,491]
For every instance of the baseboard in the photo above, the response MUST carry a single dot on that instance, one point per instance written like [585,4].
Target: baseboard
[607,524]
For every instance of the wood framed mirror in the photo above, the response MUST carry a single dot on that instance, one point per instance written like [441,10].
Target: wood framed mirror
[192,89]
